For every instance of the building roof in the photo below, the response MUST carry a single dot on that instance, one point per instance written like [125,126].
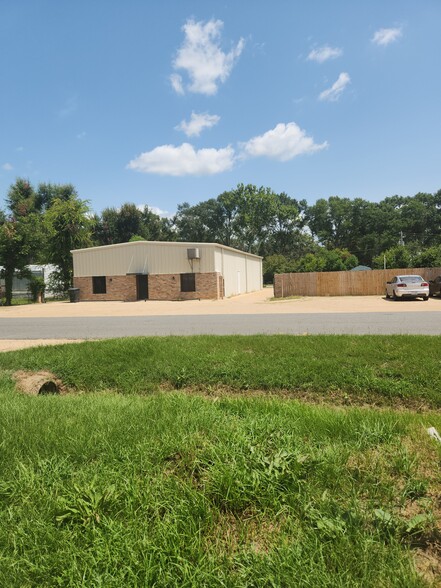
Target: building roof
[360,268]
[167,244]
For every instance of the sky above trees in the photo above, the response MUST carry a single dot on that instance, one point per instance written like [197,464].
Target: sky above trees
[160,103]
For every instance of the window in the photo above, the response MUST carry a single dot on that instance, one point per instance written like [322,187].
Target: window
[99,284]
[188,283]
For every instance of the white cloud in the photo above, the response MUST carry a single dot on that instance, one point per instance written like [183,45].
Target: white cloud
[322,54]
[386,36]
[184,160]
[197,123]
[284,142]
[154,209]
[160,212]
[176,82]
[7,167]
[334,92]
[203,59]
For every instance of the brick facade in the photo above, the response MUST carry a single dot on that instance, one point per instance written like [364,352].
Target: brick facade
[117,288]
[209,286]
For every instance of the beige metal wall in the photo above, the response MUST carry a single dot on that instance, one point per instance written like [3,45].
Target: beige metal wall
[242,272]
[142,257]
[254,274]
[360,283]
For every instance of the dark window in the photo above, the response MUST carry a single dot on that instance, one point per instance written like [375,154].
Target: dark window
[99,284]
[188,283]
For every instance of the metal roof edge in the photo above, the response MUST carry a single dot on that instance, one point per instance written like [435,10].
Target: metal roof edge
[166,243]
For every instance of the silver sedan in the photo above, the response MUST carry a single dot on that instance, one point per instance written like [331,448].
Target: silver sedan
[407,287]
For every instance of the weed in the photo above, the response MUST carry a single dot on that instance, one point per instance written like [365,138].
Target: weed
[121,488]
[85,506]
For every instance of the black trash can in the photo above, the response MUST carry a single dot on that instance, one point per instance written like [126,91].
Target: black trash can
[74,294]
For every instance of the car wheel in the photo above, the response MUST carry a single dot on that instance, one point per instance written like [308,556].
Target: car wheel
[387,295]
[394,295]
[425,298]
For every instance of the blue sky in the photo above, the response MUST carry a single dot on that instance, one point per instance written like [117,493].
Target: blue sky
[159,103]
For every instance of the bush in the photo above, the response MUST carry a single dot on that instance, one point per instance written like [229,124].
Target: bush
[276,264]
[327,260]
[37,287]
[57,286]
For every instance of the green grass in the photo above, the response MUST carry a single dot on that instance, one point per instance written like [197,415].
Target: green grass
[392,371]
[130,486]
[23,301]
[19,301]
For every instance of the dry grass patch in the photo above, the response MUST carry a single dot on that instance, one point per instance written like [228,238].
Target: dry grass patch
[338,399]
[251,532]
[36,383]
[428,564]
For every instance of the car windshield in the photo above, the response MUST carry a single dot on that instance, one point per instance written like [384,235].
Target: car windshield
[411,279]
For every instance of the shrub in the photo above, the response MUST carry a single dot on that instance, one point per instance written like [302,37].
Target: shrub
[37,287]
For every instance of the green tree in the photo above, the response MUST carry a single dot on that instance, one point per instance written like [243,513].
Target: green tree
[105,227]
[276,264]
[128,222]
[68,226]
[156,228]
[47,193]
[430,257]
[199,223]
[21,199]
[395,257]
[327,260]
[349,224]
[20,234]
[287,236]
[255,219]
[120,225]
[249,218]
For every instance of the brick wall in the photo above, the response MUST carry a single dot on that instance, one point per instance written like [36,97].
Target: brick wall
[117,288]
[161,287]
[168,287]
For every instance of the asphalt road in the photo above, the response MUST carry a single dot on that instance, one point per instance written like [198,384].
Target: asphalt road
[372,323]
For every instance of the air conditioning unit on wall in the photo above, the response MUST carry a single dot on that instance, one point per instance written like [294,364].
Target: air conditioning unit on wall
[193,253]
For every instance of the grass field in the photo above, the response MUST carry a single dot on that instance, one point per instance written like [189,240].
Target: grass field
[181,462]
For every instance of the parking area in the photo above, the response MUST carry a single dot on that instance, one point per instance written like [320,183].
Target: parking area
[260,304]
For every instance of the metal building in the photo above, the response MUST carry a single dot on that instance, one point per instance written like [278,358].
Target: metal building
[160,270]
[21,286]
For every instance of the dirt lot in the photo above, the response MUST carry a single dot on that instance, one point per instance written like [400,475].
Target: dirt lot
[255,303]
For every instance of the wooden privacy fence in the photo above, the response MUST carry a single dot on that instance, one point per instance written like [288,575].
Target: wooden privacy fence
[359,283]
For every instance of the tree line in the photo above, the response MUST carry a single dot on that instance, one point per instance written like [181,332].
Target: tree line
[43,224]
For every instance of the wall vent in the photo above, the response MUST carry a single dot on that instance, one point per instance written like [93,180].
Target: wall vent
[193,253]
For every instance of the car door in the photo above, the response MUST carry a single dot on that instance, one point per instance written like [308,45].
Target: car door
[390,287]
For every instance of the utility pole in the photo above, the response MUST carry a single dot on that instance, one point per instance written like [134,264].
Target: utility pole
[401,241]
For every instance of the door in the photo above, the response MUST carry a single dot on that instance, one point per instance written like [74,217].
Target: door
[142,287]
